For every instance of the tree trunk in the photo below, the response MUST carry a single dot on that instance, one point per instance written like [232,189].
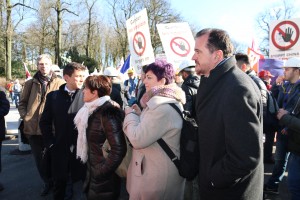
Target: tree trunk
[8,41]
[87,50]
[59,29]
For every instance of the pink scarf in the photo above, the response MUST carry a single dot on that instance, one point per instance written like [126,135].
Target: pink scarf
[170,90]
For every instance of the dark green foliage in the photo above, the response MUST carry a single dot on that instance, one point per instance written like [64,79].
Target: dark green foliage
[76,57]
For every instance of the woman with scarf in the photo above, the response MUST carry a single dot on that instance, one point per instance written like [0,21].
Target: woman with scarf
[98,120]
[152,174]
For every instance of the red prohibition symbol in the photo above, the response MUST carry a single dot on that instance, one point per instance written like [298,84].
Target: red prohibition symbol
[139,43]
[286,35]
[182,44]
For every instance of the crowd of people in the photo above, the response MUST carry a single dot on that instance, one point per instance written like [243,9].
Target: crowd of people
[68,119]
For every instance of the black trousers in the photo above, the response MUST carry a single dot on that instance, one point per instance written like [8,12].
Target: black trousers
[59,189]
[68,190]
[0,156]
[42,163]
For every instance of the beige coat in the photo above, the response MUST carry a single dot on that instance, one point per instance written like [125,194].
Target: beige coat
[151,174]
[31,104]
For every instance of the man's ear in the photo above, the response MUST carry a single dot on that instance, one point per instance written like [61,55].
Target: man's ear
[244,67]
[66,77]
[95,92]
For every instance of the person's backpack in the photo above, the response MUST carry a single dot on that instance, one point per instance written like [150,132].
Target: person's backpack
[270,121]
[17,88]
[188,164]
[11,86]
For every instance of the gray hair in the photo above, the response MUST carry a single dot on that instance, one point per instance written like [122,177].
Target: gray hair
[47,56]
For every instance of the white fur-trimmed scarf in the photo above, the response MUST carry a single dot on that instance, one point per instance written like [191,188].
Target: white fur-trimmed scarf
[81,122]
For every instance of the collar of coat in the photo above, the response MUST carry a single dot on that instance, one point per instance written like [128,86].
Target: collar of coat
[53,76]
[216,74]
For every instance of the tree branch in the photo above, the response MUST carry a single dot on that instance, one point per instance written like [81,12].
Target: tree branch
[65,9]
[21,4]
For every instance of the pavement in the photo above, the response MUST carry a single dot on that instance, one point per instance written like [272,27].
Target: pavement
[20,177]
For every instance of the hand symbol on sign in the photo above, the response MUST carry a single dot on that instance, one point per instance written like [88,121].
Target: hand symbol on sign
[182,46]
[288,35]
[140,43]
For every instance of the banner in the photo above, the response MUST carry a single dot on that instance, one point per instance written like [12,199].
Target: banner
[178,42]
[272,65]
[139,41]
[254,58]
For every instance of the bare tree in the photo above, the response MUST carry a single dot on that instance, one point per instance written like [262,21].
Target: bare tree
[60,8]
[159,11]
[40,33]
[9,33]
[285,11]
[121,11]
[2,35]
[90,24]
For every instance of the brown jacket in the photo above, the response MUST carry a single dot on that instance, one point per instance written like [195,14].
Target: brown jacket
[31,104]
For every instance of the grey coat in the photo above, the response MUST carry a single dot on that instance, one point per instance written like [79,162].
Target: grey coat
[151,173]
[229,116]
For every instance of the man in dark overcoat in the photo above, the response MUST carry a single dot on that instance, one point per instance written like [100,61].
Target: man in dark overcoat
[60,135]
[229,117]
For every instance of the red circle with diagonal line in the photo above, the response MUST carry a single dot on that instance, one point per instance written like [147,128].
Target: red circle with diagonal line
[293,40]
[181,50]
[139,43]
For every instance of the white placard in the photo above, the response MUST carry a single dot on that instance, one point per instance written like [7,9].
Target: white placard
[139,40]
[284,38]
[178,42]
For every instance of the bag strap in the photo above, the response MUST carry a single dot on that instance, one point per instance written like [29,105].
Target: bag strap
[176,108]
[169,152]
[164,145]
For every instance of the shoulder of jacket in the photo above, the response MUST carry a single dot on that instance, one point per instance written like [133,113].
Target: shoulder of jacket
[58,80]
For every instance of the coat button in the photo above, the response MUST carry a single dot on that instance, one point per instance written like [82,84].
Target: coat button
[136,163]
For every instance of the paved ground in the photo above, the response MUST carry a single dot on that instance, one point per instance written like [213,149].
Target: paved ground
[20,177]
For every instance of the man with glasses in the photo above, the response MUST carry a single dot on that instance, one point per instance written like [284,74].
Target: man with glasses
[31,106]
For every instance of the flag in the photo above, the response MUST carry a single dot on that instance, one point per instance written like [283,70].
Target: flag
[27,73]
[126,65]
[254,57]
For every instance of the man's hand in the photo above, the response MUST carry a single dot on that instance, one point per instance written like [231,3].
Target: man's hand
[281,112]
[279,80]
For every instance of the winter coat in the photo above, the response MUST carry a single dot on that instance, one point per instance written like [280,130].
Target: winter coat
[292,123]
[117,94]
[229,118]
[31,104]
[4,109]
[105,123]
[293,96]
[268,124]
[190,86]
[151,174]
[58,130]
[141,91]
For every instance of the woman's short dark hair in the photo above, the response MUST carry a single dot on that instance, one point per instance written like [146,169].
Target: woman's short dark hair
[162,69]
[100,83]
